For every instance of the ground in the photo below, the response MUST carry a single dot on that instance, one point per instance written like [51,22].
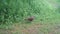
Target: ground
[33,28]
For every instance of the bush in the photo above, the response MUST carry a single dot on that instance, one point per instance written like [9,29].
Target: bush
[16,10]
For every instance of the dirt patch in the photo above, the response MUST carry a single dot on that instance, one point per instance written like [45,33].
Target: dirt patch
[32,29]
[56,30]
[5,31]
[26,29]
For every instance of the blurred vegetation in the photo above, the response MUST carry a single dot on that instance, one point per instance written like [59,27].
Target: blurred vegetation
[12,11]
[45,12]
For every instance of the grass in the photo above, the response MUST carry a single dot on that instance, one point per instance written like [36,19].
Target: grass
[47,18]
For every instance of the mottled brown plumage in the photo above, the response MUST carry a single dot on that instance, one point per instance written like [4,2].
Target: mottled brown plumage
[30,18]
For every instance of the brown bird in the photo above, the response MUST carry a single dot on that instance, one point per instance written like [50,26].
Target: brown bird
[30,18]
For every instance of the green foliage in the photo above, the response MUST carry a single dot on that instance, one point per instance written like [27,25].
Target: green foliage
[46,13]
[16,10]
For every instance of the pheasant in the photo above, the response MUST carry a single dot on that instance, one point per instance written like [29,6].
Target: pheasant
[30,18]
